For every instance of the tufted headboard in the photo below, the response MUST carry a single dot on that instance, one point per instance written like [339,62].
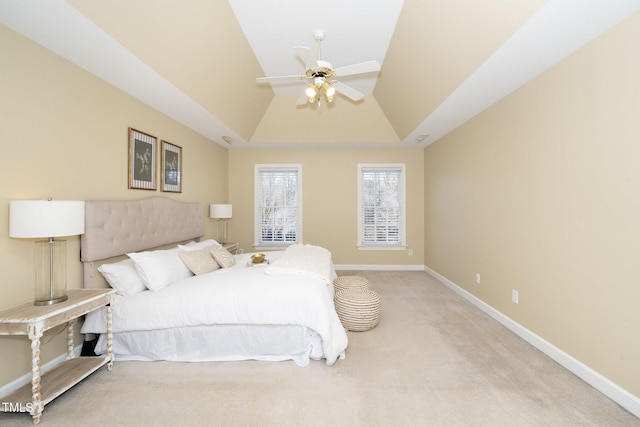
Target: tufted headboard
[116,227]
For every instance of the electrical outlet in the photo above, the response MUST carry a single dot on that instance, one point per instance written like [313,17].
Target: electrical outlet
[514,296]
[410,252]
[478,278]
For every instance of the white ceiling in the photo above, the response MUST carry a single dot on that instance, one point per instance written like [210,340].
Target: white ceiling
[357,31]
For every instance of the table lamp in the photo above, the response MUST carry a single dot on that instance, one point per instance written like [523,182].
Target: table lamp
[30,219]
[222,213]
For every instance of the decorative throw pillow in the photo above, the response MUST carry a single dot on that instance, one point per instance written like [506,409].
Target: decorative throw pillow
[159,269]
[200,261]
[223,257]
[123,277]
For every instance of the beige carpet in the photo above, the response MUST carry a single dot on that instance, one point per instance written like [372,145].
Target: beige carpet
[434,360]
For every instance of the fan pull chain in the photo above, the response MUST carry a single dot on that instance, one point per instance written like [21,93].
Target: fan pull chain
[319,41]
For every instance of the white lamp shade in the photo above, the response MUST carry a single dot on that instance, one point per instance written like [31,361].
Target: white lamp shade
[42,218]
[220,211]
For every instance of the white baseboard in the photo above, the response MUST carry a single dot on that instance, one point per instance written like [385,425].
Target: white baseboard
[26,378]
[364,267]
[607,387]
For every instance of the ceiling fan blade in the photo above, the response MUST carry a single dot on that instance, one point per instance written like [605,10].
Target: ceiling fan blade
[363,67]
[276,79]
[303,99]
[347,91]
[307,56]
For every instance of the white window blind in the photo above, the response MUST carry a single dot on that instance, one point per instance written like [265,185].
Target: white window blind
[278,205]
[381,205]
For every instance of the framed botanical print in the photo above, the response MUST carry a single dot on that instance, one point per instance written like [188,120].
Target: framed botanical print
[143,150]
[171,167]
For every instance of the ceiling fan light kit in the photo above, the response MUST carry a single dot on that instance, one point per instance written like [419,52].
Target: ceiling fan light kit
[321,75]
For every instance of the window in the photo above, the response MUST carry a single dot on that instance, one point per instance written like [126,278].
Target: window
[278,202]
[381,206]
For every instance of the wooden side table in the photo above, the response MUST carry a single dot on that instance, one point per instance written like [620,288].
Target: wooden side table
[231,247]
[33,321]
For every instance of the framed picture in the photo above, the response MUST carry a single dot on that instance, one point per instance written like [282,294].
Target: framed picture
[143,150]
[171,167]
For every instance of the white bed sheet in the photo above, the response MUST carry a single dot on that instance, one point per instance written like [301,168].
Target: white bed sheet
[239,295]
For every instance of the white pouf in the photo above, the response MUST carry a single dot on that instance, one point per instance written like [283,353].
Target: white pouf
[358,309]
[350,282]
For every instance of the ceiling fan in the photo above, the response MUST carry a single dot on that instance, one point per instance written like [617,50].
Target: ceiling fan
[321,75]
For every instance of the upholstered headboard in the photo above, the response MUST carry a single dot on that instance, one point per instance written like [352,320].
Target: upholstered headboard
[116,227]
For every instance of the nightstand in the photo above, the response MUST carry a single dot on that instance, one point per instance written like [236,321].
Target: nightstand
[33,321]
[231,247]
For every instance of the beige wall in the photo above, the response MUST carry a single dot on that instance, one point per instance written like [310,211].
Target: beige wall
[428,71]
[329,179]
[342,120]
[64,134]
[541,193]
[198,46]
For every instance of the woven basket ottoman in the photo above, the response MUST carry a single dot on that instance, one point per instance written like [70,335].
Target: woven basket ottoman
[350,282]
[358,309]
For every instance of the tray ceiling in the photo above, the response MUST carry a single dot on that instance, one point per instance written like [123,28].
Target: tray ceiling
[196,61]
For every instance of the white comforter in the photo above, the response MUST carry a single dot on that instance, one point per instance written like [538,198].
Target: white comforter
[304,260]
[236,295]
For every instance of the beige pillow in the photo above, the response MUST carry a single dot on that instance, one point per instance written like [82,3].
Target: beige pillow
[223,257]
[200,261]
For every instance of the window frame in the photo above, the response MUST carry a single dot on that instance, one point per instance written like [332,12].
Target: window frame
[402,217]
[280,167]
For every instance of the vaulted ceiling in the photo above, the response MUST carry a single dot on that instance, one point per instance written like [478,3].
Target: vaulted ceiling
[442,62]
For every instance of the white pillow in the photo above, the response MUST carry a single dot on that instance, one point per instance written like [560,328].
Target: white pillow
[123,277]
[200,261]
[159,269]
[194,246]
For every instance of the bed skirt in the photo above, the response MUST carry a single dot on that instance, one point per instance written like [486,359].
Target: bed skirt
[217,343]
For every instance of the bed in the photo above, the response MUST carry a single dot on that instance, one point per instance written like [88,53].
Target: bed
[198,302]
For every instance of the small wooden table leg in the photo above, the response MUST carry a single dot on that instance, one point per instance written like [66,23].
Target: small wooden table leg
[110,337]
[35,333]
[70,324]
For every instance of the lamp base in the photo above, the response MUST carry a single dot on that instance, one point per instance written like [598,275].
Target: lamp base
[51,272]
[51,301]
[222,230]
